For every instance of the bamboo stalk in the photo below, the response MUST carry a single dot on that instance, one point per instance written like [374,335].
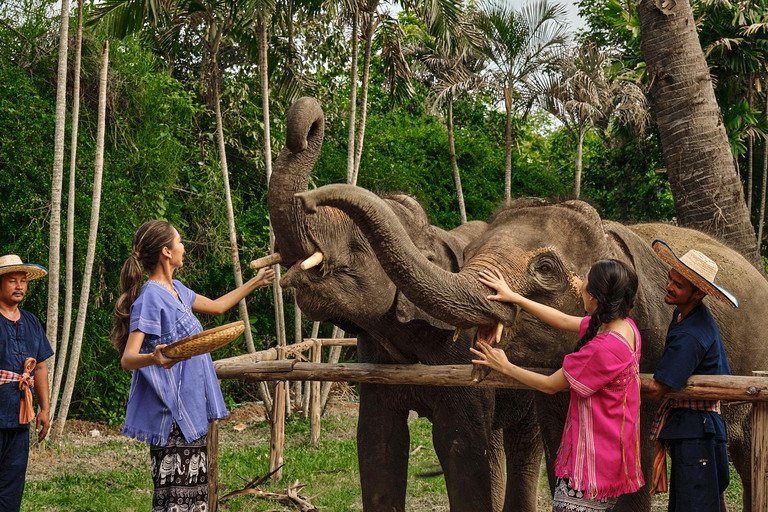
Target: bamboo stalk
[212,441]
[760,451]
[278,422]
[314,397]
[722,387]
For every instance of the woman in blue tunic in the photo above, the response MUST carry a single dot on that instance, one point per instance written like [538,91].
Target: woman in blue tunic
[171,401]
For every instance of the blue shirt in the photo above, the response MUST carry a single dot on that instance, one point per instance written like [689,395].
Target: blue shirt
[19,340]
[188,393]
[693,347]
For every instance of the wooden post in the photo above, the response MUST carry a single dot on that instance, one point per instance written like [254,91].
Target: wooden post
[212,440]
[278,425]
[314,398]
[760,452]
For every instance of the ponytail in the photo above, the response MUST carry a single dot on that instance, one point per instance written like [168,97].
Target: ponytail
[148,242]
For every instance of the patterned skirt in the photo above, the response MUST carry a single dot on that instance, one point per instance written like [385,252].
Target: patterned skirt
[568,499]
[180,474]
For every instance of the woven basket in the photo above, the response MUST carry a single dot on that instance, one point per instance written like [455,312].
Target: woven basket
[204,342]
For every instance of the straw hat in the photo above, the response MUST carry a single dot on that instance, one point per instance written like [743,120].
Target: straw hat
[698,269]
[12,263]
[203,342]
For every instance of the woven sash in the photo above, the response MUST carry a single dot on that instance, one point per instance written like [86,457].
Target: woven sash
[659,479]
[26,381]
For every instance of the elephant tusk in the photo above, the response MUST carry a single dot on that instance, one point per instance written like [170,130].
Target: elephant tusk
[457,333]
[499,331]
[312,261]
[266,261]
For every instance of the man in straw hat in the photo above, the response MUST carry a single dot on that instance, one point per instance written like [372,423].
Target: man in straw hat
[24,348]
[693,431]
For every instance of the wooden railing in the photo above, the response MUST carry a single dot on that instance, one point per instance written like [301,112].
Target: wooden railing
[273,365]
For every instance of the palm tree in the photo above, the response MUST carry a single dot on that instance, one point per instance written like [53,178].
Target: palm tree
[585,91]
[70,263]
[57,178]
[91,249]
[707,191]
[450,70]
[519,43]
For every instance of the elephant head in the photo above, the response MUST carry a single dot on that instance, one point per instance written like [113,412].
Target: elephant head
[331,266]
[543,250]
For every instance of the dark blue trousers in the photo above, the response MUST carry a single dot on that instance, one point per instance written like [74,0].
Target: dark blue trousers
[14,453]
[699,474]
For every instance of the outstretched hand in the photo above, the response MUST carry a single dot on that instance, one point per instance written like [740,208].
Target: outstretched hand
[496,281]
[494,358]
[264,277]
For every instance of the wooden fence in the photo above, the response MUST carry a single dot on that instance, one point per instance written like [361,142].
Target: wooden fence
[273,365]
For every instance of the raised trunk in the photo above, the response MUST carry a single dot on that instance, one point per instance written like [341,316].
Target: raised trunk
[458,299]
[707,191]
[456,174]
[303,140]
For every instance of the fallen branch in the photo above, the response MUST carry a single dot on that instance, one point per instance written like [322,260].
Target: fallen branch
[291,495]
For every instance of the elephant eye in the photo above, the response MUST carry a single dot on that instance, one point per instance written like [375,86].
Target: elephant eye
[545,267]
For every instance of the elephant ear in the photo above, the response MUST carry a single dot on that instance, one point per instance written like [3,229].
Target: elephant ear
[444,250]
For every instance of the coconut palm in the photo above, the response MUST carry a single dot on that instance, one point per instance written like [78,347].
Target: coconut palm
[707,191]
[450,70]
[519,43]
[586,91]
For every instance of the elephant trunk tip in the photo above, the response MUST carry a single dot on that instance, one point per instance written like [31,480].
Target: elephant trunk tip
[307,202]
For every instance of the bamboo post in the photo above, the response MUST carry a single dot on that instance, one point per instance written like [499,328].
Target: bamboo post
[314,398]
[760,452]
[212,442]
[278,425]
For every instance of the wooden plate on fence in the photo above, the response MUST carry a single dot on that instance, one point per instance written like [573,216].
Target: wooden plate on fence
[204,342]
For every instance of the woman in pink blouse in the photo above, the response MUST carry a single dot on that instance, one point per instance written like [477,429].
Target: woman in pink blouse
[603,374]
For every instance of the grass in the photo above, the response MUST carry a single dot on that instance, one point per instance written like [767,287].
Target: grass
[112,473]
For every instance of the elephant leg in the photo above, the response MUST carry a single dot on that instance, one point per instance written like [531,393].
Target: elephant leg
[461,432]
[523,447]
[739,425]
[383,442]
[551,411]
[498,468]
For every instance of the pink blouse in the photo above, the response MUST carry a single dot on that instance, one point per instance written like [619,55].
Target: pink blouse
[600,448]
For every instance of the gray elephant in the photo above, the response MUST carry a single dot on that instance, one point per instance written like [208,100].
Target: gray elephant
[336,277]
[540,247]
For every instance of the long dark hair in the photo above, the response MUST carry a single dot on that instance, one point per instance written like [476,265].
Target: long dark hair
[614,285]
[148,242]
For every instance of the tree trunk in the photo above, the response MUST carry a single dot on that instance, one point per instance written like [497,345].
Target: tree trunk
[352,100]
[70,258]
[508,147]
[707,191]
[82,308]
[57,177]
[456,175]
[750,148]
[579,151]
[761,222]
[370,27]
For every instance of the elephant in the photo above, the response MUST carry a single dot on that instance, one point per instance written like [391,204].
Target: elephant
[336,277]
[543,249]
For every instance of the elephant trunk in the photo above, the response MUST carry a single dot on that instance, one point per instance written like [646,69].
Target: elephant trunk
[305,128]
[458,299]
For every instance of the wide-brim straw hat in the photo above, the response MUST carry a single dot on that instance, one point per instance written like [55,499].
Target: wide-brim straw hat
[698,268]
[12,263]
[204,342]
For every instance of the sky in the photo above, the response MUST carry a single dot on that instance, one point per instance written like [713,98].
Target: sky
[573,12]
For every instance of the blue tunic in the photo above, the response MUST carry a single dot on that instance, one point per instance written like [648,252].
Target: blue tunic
[693,347]
[19,340]
[188,393]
